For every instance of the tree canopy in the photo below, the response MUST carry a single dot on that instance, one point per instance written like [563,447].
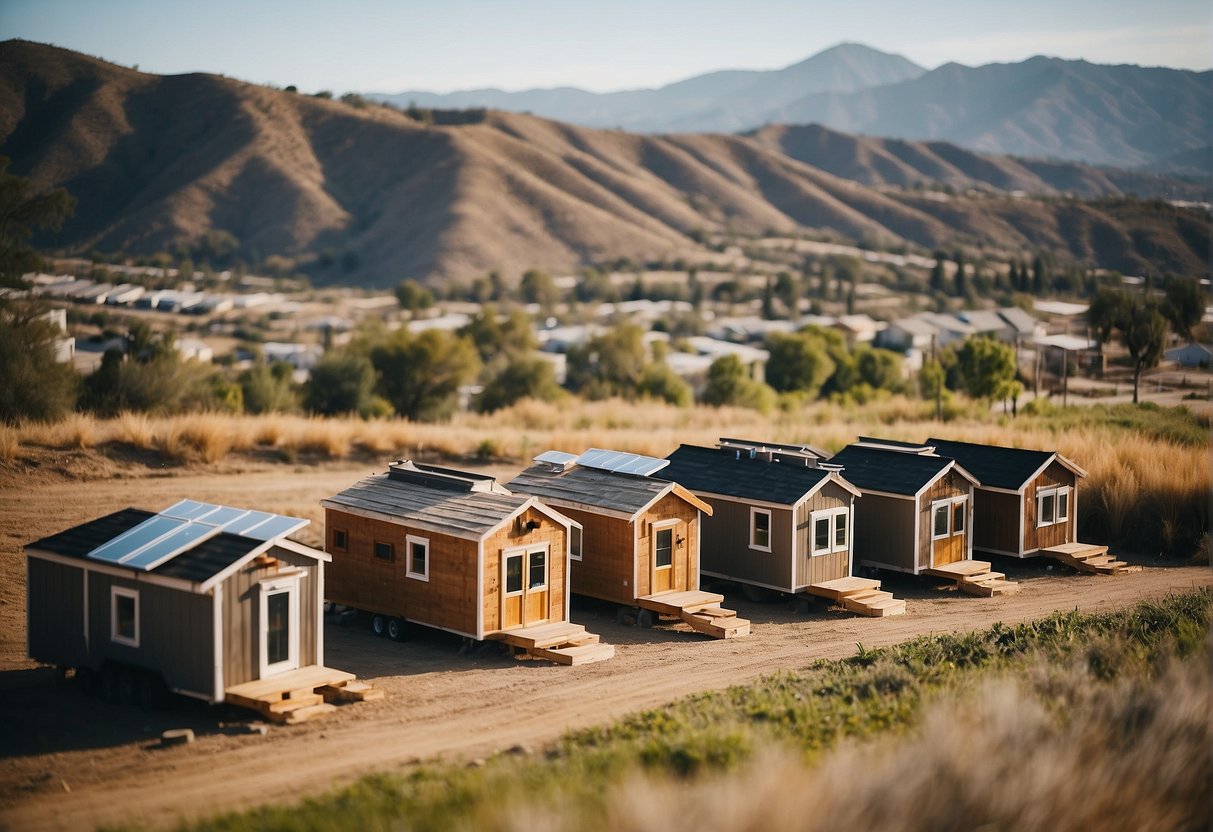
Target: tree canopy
[22,212]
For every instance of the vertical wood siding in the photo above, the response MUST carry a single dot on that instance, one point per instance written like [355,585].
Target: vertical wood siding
[686,565]
[815,570]
[55,613]
[884,531]
[996,521]
[1034,538]
[726,544]
[950,484]
[608,553]
[516,535]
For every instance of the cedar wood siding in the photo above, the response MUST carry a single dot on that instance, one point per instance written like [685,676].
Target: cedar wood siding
[358,579]
[55,613]
[1034,538]
[726,544]
[950,484]
[883,533]
[686,565]
[513,535]
[176,635]
[996,521]
[241,606]
[815,570]
[607,562]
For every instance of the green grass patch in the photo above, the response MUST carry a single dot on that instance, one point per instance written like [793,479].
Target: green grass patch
[873,693]
[1169,424]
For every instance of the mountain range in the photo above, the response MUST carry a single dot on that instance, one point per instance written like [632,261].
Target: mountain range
[364,194]
[1123,116]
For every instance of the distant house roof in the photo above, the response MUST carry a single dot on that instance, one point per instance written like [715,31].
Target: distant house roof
[1000,467]
[726,472]
[467,506]
[915,326]
[893,472]
[947,323]
[983,320]
[197,564]
[1190,355]
[1018,319]
[1070,343]
[618,494]
[1060,308]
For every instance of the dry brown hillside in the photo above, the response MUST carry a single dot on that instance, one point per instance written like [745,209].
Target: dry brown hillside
[157,161]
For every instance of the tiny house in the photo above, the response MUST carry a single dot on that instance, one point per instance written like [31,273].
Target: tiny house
[201,598]
[458,552]
[641,536]
[778,521]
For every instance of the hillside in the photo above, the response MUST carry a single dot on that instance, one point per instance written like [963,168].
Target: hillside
[723,101]
[366,195]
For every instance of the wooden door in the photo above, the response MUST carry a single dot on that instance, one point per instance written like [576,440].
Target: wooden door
[664,540]
[525,592]
[536,590]
[512,584]
[952,547]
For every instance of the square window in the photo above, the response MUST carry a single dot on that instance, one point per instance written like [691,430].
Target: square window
[513,574]
[1048,506]
[340,540]
[418,565]
[124,616]
[664,548]
[760,529]
[840,531]
[384,551]
[537,570]
[821,534]
[958,518]
[939,525]
[575,543]
[1063,505]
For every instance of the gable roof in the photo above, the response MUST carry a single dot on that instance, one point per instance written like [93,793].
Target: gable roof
[611,492]
[465,514]
[998,466]
[724,472]
[196,565]
[893,472]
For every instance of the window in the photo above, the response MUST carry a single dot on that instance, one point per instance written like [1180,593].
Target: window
[384,551]
[278,607]
[419,558]
[1052,505]
[939,525]
[830,530]
[537,571]
[958,518]
[513,574]
[124,616]
[760,529]
[341,540]
[575,543]
[278,627]
[664,548]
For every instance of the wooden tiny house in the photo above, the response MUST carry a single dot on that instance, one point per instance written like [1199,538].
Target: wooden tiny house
[456,551]
[205,598]
[916,512]
[778,521]
[640,539]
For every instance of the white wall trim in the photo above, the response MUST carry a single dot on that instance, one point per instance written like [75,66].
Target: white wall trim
[217,647]
[411,540]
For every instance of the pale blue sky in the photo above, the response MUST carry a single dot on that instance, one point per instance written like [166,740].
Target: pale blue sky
[443,45]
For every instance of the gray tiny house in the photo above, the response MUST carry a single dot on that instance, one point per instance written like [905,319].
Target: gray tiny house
[202,597]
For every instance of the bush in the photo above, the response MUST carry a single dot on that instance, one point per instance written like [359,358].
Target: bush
[33,385]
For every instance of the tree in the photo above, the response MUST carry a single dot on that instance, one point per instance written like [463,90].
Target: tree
[658,381]
[1185,305]
[342,382]
[420,375]
[609,364]
[1106,312]
[878,368]
[23,211]
[1040,276]
[413,297]
[521,378]
[797,362]
[268,388]
[494,336]
[936,282]
[1144,333]
[768,299]
[729,383]
[985,368]
[538,287]
[33,385]
[961,278]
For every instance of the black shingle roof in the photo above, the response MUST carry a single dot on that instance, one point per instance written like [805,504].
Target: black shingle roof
[589,486]
[895,472]
[722,472]
[203,561]
[994,465]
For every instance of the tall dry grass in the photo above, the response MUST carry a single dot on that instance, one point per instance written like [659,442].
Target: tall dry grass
[1131,755]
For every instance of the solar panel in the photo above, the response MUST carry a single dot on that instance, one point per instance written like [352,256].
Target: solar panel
[185,524]
[555,457]
[621,462]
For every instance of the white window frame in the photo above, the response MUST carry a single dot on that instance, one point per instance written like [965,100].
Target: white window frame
[658,526]
[576,540]
[754,513]
[410,541]
[117,592]
[547,568]
[830,516]
[949,505]
[1056,493]
[290,586]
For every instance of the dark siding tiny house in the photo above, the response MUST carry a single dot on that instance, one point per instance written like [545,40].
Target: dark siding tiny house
[202,606]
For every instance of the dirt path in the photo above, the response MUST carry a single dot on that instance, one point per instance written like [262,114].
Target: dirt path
[67,761]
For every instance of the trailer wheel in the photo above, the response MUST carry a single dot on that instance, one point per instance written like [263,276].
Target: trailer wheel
[395,629]
[379,625]
[646,619]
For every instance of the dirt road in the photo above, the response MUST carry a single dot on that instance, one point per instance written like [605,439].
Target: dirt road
[70,762]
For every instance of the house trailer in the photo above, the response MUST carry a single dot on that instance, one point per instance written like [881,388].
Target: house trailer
[458,552]
[201,598]
[778,521]
[640,540]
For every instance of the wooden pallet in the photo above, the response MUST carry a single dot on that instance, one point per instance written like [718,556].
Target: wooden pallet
[1087,557]
[862,596]
[300,695]
[562,642]
[975,577]
[700,610]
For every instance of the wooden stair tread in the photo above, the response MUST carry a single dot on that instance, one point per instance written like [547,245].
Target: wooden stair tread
[576,654]
[730,627]
[842,587]
[716,612]
[309,713]
[287,705]
[869,597]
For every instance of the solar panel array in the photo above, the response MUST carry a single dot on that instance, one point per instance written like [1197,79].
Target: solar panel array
[556,458]
[185,524]
[620,462]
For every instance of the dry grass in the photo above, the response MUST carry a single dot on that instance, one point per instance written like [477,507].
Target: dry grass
[1133,755]
[10,444]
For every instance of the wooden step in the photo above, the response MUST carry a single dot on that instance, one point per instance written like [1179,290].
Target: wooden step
[842,587]
[351,692]
[584,639]
[307,714]
[716,612]
[984,577]
[990,588]
[283,706]
[869,597]
[576,654]
[877,607]
[729,627]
